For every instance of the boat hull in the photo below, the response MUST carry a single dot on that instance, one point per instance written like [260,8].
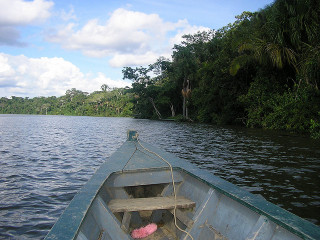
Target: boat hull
[213,209]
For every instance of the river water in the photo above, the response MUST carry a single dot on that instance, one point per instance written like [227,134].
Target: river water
[45,160]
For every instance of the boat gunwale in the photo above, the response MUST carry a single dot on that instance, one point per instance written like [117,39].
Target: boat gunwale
[291,222]
[254,199]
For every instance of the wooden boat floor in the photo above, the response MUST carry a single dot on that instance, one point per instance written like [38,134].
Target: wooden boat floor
[153,203]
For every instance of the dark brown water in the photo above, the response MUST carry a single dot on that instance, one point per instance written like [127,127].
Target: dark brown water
[45,160]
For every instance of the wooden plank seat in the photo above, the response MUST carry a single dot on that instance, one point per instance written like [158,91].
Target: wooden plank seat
[144,204]
[150,204]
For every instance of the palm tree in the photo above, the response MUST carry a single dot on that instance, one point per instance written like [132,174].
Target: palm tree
[286,33]
[264,52]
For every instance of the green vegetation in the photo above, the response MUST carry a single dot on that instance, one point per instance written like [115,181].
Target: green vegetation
[110,103]
[261,71]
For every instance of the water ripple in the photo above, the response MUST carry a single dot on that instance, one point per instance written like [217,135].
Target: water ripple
[45,160]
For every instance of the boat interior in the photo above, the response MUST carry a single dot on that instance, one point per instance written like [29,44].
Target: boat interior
[132,199]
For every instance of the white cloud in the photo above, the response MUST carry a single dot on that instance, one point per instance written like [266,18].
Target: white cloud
[129,37]
[10,36]
[188,30]
[102,79]
[6,72]
[66,16]
[15,13]
[5,68]
[120,60]
[20,75]
[19,12]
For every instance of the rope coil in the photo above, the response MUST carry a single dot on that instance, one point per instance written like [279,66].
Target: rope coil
[173,185]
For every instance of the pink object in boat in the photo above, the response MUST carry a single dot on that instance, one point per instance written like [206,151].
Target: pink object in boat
[144,231]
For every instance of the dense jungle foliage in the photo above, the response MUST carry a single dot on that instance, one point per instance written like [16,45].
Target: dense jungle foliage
[107,102]
[261,71]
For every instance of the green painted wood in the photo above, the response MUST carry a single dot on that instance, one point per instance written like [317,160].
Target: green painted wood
[132,157]
[108,221]
[143,177]
[132,135]
[69,222]
[287,220]
[262,228]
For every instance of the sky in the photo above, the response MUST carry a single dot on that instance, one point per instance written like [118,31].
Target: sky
[50,46]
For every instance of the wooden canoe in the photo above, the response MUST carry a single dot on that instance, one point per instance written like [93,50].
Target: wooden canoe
[134,187]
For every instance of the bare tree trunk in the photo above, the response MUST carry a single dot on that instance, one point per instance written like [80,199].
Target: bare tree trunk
[184,107]
[186,92]
[187,115]
[173,113]
[155,108]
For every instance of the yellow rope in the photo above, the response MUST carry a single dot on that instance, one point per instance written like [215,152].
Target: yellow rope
[174,188]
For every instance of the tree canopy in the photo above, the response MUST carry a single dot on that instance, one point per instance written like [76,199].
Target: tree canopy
[263,70]
[108,102]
